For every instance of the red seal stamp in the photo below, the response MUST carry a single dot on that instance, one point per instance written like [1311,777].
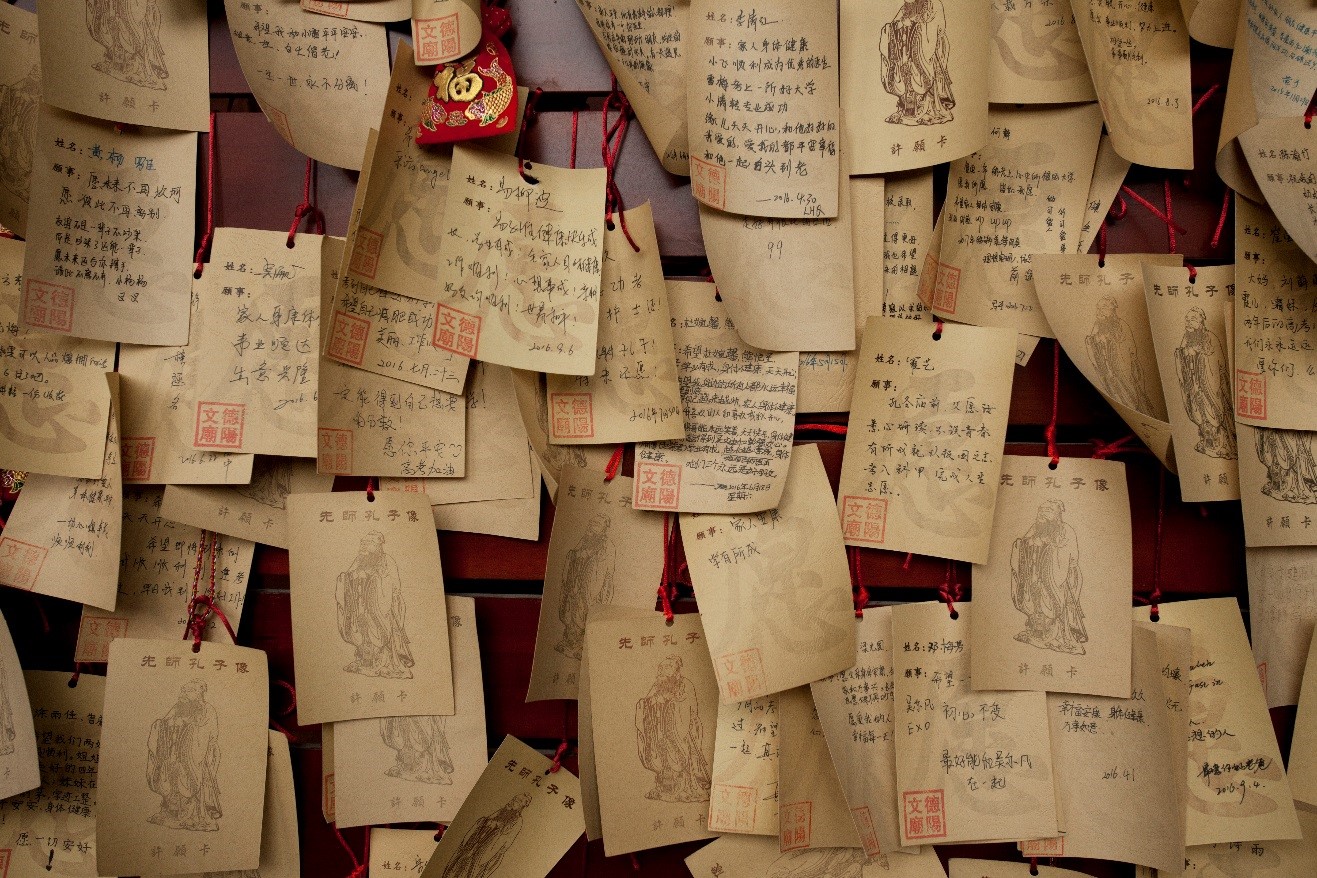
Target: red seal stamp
[135,456]
[1251,395]
[863,821]
[741,675]
[328,804]
[864,519]
[279,119]
[366,252]
[334,454]
[347,339]
[324,7]
[572,415]
[48,306]
[456,331]
[219,425]
[946,284]
[1043,847]
[794,822]
[927,278]
[657,486]
[924,812]
[709,183]
[94,636]
[732,808]
[436,39]
[20,563]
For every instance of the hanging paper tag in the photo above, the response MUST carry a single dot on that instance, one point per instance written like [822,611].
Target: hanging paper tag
[18,746]
[812,810]
[475,96]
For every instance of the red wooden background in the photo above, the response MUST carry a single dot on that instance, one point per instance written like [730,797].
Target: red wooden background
[258,184]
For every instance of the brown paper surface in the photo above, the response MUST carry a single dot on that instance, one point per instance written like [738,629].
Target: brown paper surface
[970,766]
[132,65]
[908,232]
[897,118]
[361,10]
[520,263]
[369,637]
[1276,493]
[137,184]
[517,519]
[632,395]
[1278,151]
[775,587]
[763,107]
[182,758]
[601,553]
[518,821]
[1282,612]
[1239,112]
[1212,21]
[1303,747]
[644,44]
[54,407]
[812,811]
[19,771]
[740,406]
[1188,331]
[444,29]
[1023,193]
[417,768]
[743,795]
[20,92]
[936,389]
[748,856]
[653,708]
[1237,785]
[1270,859]
[1138,56]
[1035,56]
[1109,172]
[1282,80]
[964,868]
[857,711]
[1052,602]
[256,511]
[530,389]
[320,85]
[157,562]
[58,816]
[62,536]
[402,851]
[594,828]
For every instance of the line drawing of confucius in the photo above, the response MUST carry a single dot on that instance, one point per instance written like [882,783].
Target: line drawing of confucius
[1046,582]
[372,614]
[914,53]
[587,582]
[1200,366]
[1111,349]
[129,31]
[182,763]
[7,731]
[670,737]
[1291,469]
[484,845]
[420,746]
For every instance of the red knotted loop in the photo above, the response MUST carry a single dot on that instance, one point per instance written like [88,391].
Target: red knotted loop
[439,832]
[611,145]
[77,675]
[210,200]
[370,489]
[614,463]
[937,330]
[1193,275]
[200,607]
[307,207]
[557,758]
[950,592]
[666,590]
[1054,456]
[860,590]
[527,119]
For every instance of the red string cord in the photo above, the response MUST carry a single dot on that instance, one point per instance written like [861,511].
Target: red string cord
[1054,456]
[358,868]
[1102,244]
[614,463]
[1221,220]
[201,606]
[1206,96]
[665,589]
[77,675]
[839,429]
[576,122]
[307,207]
[861,592]
[1170,216]
[370,489]
[1104,450]
[557,758]
[949,592]
[937,330]
[210,200]
[613,136]
[1151,208]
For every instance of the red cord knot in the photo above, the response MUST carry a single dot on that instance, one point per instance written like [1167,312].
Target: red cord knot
[950,593]
[557,758]
[1054,456]
[370,489]
[860,590]
[937,331]
[1105,450]
[1193,275]
[614,463]
[210,201]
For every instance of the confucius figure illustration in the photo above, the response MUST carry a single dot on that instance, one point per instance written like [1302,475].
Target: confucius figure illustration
[670,737]
[420,745]
[182,765]
[485,844]
[1200,366]
[1111,350]
[587,581]
[129,31]
[915,56]
[1046,582]
[371,613]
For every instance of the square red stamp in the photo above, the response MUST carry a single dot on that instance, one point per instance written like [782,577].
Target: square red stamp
[732,808]
[135,456]
[20,563]
[48,306]
[658,486]
[927,278]
[573,415]
[864,519]
[437,39]
[279,119]
[347,338]
[946,285]
[863,821]
[741,675]
[219,425]
[709,183]
[456,331]
[366,252]
[1251,395]
[924,812]
[94,636]
[324,7]
[334,454]
[328,805]
[794,822]
[1043,847]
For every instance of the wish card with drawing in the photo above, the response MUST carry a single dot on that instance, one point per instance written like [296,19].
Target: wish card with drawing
[653,708]
[1282,612]
[1303,747]
[115,185]
[400,769]
[1051,605]
[1109,172]
[743,794]
[369,632]
[1277,486]
[1186,310]
[812,810]
[404,851]
[257,511]
[923,394]
[775,587]
[181,786]
[159,560]
[19,771]
[740,405]
[763,107]
[531,392]
[602,552]
[1270,859]
[20,90]
[1237,786]
[518,822]
[748,856]
[947,789]
[1278,151]
[1034,54]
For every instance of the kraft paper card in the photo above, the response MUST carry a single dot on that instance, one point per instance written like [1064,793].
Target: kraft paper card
[404,851]
[743,795]
[748,856]
[1269,859]
[115,185]
[1276,492]
[1034,54]
[517,519]
[1109,172]
[594,827]
[19,771]
[633,395]
[921,395]
[601,553]
[20,92]
[1303,762]
[361,10]
[907,235]
[775,587]
[182,762]
[1240,111]
[327,772]
[1282,162]
[740,405]
[812,811]
[1212,21]
[1282,612]
[970,766]
[444,29]
[367,570]
[401,769]
[532,397]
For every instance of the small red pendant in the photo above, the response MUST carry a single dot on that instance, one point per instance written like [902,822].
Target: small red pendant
[475,96]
